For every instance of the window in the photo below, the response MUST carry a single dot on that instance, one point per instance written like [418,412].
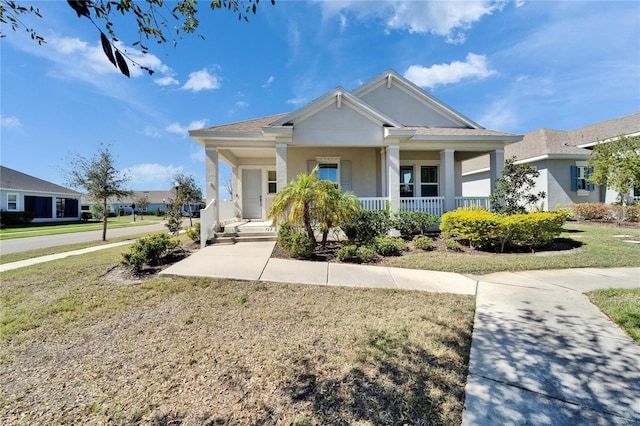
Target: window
[272,186]
[429,181]
[406,181]
[328,171]
[40,206]
[12,201]
[66,207]
[579,175]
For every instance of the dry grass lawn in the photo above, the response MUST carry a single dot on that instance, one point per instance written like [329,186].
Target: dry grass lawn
[84,344]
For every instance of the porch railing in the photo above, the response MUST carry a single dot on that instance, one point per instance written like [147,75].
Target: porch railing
[480,202]
[430,205]
[373,203]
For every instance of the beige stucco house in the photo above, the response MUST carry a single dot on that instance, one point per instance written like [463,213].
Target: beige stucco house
[387,140]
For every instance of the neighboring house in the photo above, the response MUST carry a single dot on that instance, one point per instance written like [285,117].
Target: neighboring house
[158,201]
[561,158]
[20,192]
[388,141]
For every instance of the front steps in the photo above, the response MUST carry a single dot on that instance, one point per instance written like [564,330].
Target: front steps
[244,232]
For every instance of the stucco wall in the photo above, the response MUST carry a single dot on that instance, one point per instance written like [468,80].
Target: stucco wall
[406,109]
[365,165]
[559,179]
[476,185]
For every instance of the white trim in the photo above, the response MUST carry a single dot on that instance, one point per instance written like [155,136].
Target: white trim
[615,138]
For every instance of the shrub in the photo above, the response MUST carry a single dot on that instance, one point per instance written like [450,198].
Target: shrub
[422,242]
[193,232]
[412,223]
[367,225]
[476,226]
[148,250]
[296,243]
[86,216]
[452,244]
[353,253]
[15,218]
[589,211]
[174,221]
[385,245]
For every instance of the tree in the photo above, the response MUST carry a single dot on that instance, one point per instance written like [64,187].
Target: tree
[616,164]
[142,202]
[333,207]
[187,191]
[153,19]
[99,178]
[512,192]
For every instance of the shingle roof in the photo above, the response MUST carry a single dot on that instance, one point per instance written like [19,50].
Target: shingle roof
[447,131]
[248,126]
[558,142]
[18,181]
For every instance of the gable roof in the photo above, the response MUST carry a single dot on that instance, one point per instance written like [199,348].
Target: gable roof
[390,77]
[14,180]
[339,96]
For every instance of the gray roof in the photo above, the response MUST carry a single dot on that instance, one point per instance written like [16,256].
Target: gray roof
[244,127]
[14,180]
[551,142]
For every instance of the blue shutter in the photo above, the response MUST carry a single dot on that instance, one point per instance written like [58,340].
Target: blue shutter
[574,178]
[590,186]
[345,175]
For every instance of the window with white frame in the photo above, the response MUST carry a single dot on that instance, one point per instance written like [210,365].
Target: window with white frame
[429,181]
[329,168]
[407,181]
[272,186]
[12,201]
[579,175]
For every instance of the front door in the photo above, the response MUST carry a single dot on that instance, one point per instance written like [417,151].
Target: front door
[252,194]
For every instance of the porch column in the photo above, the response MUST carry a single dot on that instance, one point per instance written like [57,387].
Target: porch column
[383,173]
[448,179]
[281,165]
[496,163]
[210,215]
[393,175]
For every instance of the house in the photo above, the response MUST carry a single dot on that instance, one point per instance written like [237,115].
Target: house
[561,158]
[20,192]
[158,202]
[387,140]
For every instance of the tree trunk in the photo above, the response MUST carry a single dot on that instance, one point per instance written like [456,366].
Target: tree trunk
[306,217]
[104,221]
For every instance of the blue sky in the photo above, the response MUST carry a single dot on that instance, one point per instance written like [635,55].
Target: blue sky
[510,66]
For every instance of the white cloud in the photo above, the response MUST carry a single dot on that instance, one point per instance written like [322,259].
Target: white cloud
[183,131]
[474,66]
[296,101]
[152,176]
[166,81]
[268,83]
[237,107]
[202,80]
[449,19]
[10,122]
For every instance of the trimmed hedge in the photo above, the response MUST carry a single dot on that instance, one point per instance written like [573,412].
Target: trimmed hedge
[367,225]
[482,229]
[385,245]
[15,218]
[413,223]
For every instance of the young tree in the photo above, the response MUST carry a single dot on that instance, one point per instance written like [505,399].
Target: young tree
[142,202]
[187,191]
[512,192]
[616,164]
[333,207]
[99,179]
[154,20]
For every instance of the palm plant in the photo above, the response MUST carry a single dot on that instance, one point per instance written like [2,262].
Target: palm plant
[333,207]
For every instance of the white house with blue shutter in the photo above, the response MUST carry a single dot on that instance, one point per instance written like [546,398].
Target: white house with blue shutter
[561,158]
[388,141]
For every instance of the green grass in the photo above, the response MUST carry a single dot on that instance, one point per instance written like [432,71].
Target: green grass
[598,248]
[622,306]
[36,230]
[260,353]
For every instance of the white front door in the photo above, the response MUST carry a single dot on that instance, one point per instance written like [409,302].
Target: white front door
[252,194]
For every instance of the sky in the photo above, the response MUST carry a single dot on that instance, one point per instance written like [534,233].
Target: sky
[511,66]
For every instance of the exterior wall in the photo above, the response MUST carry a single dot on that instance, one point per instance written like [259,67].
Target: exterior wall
[21,204]
[401,106]
[338,126]
[365,165]
[559,189]
[476,185]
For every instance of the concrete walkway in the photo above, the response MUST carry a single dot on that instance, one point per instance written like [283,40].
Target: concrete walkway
[541,353]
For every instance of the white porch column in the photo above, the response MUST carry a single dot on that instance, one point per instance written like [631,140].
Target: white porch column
[212,178]
[496,163]
[281,165]
[383,173]
[448,179]
[393,175]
